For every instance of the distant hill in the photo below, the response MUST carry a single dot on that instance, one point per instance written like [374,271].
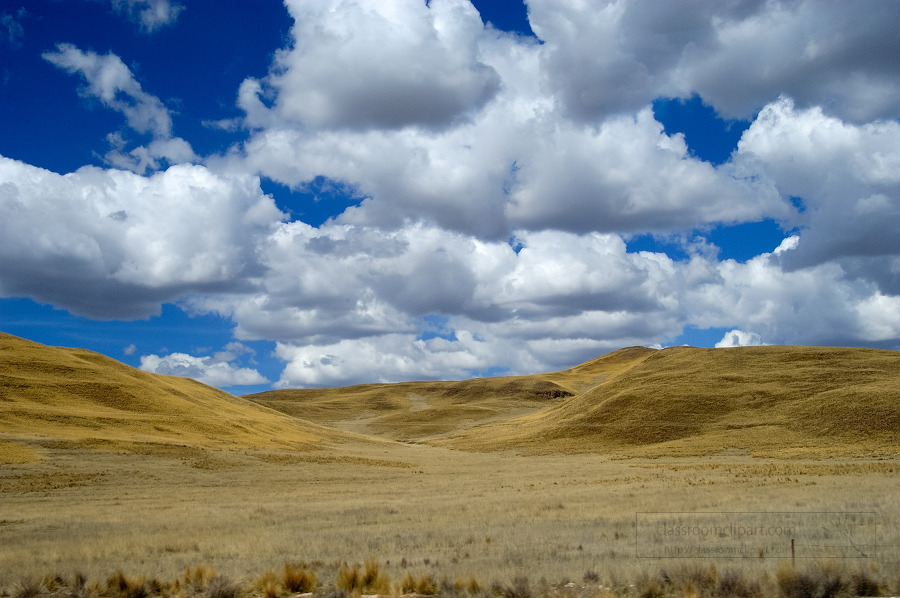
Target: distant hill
[423,410]
[776,400]
[75,394]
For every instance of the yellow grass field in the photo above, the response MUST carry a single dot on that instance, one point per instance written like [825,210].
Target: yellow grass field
[594,481]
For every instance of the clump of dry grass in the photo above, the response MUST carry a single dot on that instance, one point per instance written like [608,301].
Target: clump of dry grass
[75,586]
[268,584]
[366,579]
[120,585]
[195,580]
[224,587]
[424,585]
[828,580]
[29,588]
[685,580]
[519,588]
[699,581]
[299,579]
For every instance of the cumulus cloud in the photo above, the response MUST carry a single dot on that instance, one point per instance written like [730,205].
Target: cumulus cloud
[112,244]
[561,300]
[150,15]
[367,63]
[848,177]
[217,370]
[739,338]
[614,57]
[627,175]
[518,164]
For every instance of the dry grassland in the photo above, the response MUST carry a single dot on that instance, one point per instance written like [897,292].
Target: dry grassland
[416,509]
[536,512]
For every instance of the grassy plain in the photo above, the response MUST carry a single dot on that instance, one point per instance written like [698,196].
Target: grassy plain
[95,499]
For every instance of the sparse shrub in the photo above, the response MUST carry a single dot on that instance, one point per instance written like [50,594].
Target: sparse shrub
[591,576]
[298,579]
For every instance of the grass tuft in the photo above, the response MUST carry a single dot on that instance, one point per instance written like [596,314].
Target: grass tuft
[298,579]
[426,585]
[519,588]
[223,587]
[269,585]
[822,582]
[363,580]
[30,588]
[736,584]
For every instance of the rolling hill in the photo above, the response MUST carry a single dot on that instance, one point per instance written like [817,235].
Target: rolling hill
[772,400]
[78,395]
[423,410]
[777,401]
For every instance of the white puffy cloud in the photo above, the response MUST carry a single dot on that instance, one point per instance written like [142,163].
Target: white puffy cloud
[517,164]
[739,338]
[110,243]
[561,300]
[216,370]
[611,57]
[627,175]
[368,63]
[149,14]
[384,358]
[848,177]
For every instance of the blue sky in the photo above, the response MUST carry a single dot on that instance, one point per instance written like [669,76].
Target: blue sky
[326,192]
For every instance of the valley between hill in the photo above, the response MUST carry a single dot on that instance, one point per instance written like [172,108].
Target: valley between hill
[681,401]
[552,476]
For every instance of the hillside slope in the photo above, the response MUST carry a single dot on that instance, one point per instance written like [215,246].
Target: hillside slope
[425,410]
[75,394]
[772,400]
